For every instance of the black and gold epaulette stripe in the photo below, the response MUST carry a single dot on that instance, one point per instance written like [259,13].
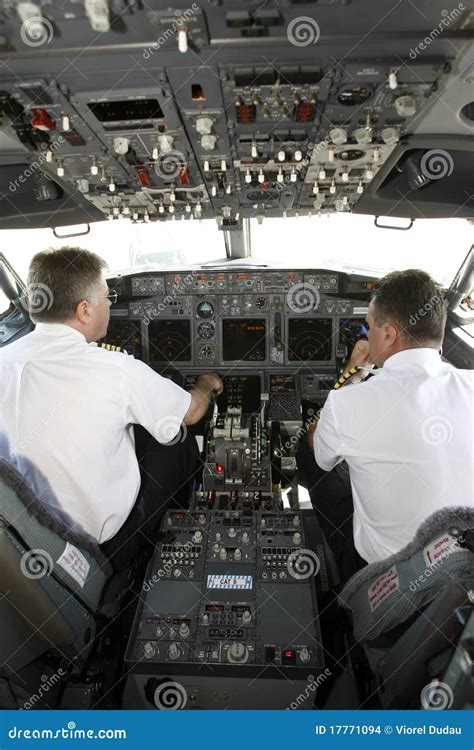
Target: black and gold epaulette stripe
[344,378]
[111,347]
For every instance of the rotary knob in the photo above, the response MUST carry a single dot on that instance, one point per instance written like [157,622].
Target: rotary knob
[173,651]
[245,538]
[149,651]
[232,532]
[237,653]
[184,630]
[223,553]
[296,520]
[208,142]
[247,617]
[197,537]
[304,655]
[237,554]
[202,519]
[296,538]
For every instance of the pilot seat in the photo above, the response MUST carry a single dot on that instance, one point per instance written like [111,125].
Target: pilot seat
[408,611]
[57,590]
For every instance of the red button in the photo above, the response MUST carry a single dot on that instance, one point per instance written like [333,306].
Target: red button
[41,120]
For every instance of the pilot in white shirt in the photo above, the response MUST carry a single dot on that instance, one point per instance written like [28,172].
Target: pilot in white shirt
[68,406]
[406,432]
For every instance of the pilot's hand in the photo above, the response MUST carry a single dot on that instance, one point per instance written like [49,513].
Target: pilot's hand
[360,355]
[212,381]
[360,358]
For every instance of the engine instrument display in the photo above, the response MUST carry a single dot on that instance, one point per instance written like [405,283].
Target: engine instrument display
[244,340]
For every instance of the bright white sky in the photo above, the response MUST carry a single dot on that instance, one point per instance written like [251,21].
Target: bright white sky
[339,241]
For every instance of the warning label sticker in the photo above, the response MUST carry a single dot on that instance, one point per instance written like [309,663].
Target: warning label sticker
[74,563]
[229,582]
[439,548]
[383,587]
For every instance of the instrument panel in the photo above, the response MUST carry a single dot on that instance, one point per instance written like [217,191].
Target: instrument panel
[279,321]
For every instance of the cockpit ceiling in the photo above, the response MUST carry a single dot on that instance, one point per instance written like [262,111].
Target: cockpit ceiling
[232,110]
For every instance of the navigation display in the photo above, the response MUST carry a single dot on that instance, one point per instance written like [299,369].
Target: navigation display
[170,341]
[243,340]
[309,339]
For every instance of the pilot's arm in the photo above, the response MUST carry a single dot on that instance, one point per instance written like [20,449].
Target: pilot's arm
[161,406]
[324,436]
[201,395]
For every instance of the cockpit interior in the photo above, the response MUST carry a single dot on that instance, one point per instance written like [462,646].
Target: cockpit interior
[236,114]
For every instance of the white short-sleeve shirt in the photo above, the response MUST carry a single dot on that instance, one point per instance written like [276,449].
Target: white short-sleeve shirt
[406,435]
[66,416]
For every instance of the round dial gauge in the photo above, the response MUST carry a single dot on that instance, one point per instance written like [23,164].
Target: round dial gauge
[206,330]
[205,309]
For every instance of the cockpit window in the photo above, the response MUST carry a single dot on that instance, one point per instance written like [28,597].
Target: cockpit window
[339,242]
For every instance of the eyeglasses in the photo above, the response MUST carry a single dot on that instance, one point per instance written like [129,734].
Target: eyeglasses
[112,296]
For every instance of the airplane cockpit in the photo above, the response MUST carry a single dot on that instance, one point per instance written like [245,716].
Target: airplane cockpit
[124,117]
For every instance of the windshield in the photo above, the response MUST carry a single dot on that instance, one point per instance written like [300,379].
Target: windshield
[344,242]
